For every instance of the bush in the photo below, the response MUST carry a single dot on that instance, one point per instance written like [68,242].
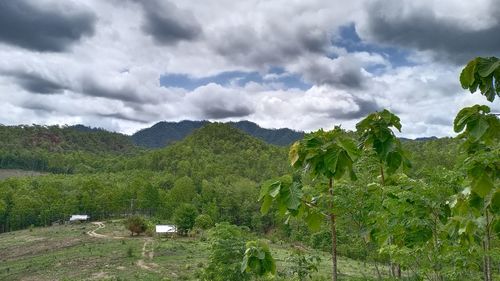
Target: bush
[227,247]
[136,224]
[184,218]
[203,221]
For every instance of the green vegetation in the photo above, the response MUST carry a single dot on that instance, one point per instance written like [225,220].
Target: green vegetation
[67,252]
[136,225]
[166,133]
[383,209]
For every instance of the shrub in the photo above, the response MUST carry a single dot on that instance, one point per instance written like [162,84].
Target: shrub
[184,218]
[203,221]
[136,224]
[227,247]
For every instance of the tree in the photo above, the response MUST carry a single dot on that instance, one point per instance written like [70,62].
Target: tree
[227,247]
[203,221]
[323,155]
[184,191]
[185,217]
[258,259]
[376,135]
[476,208]
[136,224]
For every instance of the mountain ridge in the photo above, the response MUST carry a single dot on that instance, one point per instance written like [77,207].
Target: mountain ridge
[164,133]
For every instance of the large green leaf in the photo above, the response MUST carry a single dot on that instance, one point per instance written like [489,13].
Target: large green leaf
[294,153]
[468,73]
[294,197]
[314,220]
[482,185]
[258,259]
[266,205]
[486,67]
[482,73]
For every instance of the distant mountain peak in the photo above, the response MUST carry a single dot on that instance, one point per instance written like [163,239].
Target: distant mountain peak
[164,133]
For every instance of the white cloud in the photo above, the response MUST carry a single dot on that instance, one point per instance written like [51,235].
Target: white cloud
[111,79]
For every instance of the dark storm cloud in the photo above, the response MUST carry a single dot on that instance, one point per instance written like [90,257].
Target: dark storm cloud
[346,75]
[276,46]
[365,107]
[35,83]
[168,24]
[47,29]
[221,112]
[424,31]
[91,87]
[38,106]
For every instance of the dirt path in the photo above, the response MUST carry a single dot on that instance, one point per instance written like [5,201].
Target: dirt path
[101,225]
[147,248]
[147,254]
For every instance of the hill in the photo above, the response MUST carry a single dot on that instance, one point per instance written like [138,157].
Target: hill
[164,133]
[107,252]
[56,149]
[217,149]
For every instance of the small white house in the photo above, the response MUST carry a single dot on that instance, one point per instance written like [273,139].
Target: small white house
[79,218]
[166,229]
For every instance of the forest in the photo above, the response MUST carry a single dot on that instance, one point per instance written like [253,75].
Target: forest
[425,209]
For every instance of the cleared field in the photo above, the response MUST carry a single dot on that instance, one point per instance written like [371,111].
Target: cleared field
[107,252]
[9,173]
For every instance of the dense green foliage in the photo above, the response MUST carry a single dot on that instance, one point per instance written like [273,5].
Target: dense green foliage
[434,220]
[216,169]
[61,149]
[185,217]
[227,246]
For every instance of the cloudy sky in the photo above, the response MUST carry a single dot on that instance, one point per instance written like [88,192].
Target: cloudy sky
[127,64]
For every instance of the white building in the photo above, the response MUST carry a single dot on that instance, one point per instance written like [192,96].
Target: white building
[80,218]
[166,229]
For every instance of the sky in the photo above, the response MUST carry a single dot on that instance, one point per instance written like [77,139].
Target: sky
[124,65]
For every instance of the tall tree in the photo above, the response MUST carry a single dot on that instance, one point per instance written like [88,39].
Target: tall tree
[323,155]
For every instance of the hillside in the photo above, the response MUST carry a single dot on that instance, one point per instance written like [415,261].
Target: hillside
[58,149]
[63,139]
[217,149]
[164,133]
[80,252]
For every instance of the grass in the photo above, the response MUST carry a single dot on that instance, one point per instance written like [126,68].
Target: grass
[10,173]
[67,252]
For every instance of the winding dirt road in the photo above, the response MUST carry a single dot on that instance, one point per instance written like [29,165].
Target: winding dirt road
[147,248]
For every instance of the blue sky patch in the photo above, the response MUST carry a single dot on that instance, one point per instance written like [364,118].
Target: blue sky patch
[240,78]
[350,40]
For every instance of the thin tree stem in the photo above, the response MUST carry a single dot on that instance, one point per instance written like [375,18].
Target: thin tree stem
[333,231]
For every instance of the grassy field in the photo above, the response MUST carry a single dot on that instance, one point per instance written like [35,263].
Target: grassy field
[9,173]
[107,252]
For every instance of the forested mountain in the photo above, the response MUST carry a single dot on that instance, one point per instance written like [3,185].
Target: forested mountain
[60,139]
[59,149]
[164,133]
[217,149]
[218,168]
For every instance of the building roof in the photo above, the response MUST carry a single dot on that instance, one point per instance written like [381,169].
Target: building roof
[166,229]
[79,217]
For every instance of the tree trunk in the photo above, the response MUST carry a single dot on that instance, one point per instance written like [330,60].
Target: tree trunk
[334,233]
[486,245]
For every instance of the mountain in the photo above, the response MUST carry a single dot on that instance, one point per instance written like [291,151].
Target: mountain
[217,149]
[164,133]
[59,149]
[61,139]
